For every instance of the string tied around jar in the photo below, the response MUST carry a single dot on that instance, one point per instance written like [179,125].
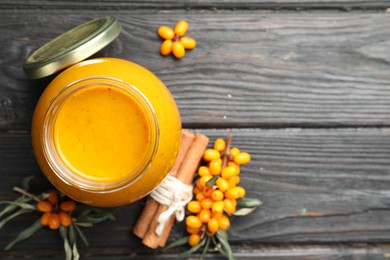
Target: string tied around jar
[174,194]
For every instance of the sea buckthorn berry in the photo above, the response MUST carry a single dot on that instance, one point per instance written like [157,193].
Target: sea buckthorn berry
[230,205]
[200,196]
[197,190]
[194,206]
[204,215]
[241,191]
[44,206]
[219,144]
[212,225]
[242,158]
[201,182]
[217,195]
[191,230]
[234,151]
[178,50]
[165,32]
[217,206]
[194,239]
[188,43]
[68,205]
[230,163]
[211,154]
[54,221]
[233,181]
[207,203]
[207,191]
[203,171]
[53,198]
[216,215]
[181,28]
[193,222]
[224,222]
[166,47]
[45,218]
[229,172]
[222,184]
[215,167]
[65,219]
[232,193]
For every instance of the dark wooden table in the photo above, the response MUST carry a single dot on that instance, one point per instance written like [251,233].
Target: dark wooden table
[303,85]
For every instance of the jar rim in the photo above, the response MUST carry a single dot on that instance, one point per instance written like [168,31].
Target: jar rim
[65,173]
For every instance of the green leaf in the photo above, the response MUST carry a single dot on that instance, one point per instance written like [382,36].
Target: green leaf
[11,207]
[26,182]
[28,232]
[76,255]
[206,247]
[83,224]
[249,202]
[10,217]
[81,234]
[194,248]
[67,248]
[244,211]
[22,205]
[222,237]
[179,242]
[212,181]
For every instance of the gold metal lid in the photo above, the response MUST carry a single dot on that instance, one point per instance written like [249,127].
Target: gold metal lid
[71,47]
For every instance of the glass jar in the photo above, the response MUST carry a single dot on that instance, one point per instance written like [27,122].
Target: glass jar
[106,131]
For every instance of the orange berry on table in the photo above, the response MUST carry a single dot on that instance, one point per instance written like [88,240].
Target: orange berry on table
[222,184]
[212,225]
[44,206]
[230,205]
[201,182]
[68,205]
[217,195]
[197,190]
[203,171]
[181,28]
[204,215]
[166,48]
[200,196]
[194,239]
[215,167]
[53,198]
[234,151]
[224,222]
[230,163]
[211,154]
[232,193]
[188,43]
[165,32]
[65,219]
[233,181]
[229,172]
[194,206]
[242,158]
[207,191]
[206,203]
[178,50]
[191,230]
[45,218]
[216,215]
[219,144]
[193,222]
[217,206]
[241,191]
[54,221]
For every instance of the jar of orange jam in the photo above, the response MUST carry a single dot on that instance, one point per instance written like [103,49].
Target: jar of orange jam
[105,131]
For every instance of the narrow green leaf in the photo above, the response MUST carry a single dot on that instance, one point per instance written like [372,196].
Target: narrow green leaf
[15,214]
[83,224]
[11,207]
[72,235]
[244,211]
[225,245]
[179,242]
[206,247]
[22,205]
[28,232]
[212,181]
[67,248]
[76,255]
[26,182]
[81,234]
[194,248]
[249,202]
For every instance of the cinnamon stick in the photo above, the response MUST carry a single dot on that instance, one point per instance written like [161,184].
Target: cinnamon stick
[151,206]
[185,174]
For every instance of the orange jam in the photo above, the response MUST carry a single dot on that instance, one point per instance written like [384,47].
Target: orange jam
[106,132]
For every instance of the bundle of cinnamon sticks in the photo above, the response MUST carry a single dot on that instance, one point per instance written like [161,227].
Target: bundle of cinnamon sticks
[190,153]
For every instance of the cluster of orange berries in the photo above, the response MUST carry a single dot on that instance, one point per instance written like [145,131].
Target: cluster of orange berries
[216,191]
[56,213]
[174,40]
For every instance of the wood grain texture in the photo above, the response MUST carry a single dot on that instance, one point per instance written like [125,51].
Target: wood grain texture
[317,186]
[251,69]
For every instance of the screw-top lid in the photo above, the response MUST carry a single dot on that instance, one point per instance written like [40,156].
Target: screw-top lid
[71,47]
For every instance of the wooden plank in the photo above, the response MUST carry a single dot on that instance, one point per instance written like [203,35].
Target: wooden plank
[250,69]
[196,4]
[317,186]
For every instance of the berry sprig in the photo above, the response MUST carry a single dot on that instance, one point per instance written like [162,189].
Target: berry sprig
[57,212]
[217,195]
[175,41]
